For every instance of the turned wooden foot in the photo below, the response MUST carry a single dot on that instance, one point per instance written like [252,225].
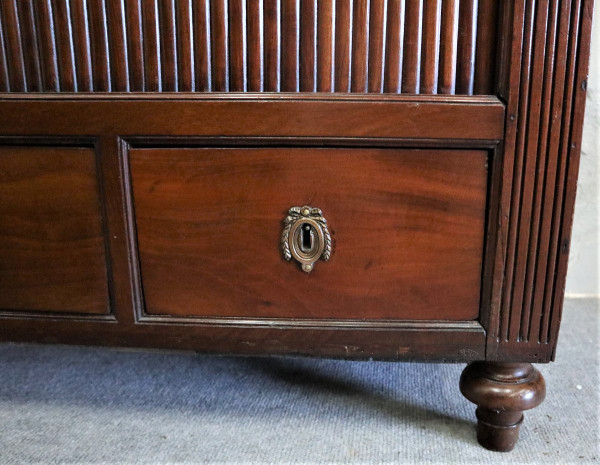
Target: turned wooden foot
[502,391]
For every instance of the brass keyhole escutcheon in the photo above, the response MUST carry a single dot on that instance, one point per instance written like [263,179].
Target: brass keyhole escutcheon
[306,237]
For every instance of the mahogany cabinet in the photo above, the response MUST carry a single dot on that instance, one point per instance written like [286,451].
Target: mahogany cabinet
[388,179]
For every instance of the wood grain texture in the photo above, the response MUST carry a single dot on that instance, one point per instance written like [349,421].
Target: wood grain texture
[407,226]
[362,117]
[448,47]
[151,41]
[501,391]
[219,43]
[377,33]
[101,69]
[431,46]
[360,46]
[255,49]
[168,44]
[394,47]
[427,341]
[308,46]
[413,29]
[202,46]
[51,239]
[118,45]
[272,32]
[33,73]
[326,46]
[532,54]
[10,21]
[185,46]
[237,45]
[542,147]
[467,43]
[486,58]
[290,45]
[46,44]
[391,46]
[81,41]
[343,46]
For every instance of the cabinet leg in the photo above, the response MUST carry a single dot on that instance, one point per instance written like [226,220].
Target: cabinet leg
[502,391]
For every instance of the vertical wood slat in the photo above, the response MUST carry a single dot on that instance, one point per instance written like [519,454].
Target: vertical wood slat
[325,45]
[467,27]
[135,54]
[566,145]
[432,16]
[255,60]
[390,46]
[272,53]
[554,164]
[581,26]
[549,76]
[448,47]
[528,150]
[33,74]
[290,45]
[219,45]
[485,54]
[394,47]
[507,12]
[360,45]
[64,45]
[81,39]
[99,42]
[237,45]
[168,46]
[119,67]
[308,44]
[4,79]
[46,44]
[12,44]
[343,45]
[377,32]
[202,48]
[528,35]
[185,45]
[152,68]
[544,84]
[412,47]
[545,285]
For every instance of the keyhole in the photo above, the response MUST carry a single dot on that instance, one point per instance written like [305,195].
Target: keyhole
[307,238]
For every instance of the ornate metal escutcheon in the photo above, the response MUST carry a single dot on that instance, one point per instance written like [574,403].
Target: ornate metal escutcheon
[306,237]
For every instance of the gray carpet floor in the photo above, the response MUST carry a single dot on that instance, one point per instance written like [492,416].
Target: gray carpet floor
[76,405]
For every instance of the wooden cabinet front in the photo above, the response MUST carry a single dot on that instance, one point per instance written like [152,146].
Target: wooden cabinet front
[440,139]
[407,229]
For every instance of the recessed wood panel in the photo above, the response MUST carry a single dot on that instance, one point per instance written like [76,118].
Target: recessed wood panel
[52,256]
[407,227]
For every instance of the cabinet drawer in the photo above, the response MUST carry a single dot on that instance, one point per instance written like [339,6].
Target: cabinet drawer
[407,229]
[52,251]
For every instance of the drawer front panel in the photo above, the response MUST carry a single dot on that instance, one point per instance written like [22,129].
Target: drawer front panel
[407,229]
[52,256]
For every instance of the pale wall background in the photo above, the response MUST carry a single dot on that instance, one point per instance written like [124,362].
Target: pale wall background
[583,278]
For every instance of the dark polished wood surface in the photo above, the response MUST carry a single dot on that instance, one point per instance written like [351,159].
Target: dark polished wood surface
[532,168]
[502,391]
[407,229]
[116,124]
[167,80]
[392,46]
[51,238]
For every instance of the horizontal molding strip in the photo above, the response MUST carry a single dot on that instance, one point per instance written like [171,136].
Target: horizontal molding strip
[427,117]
